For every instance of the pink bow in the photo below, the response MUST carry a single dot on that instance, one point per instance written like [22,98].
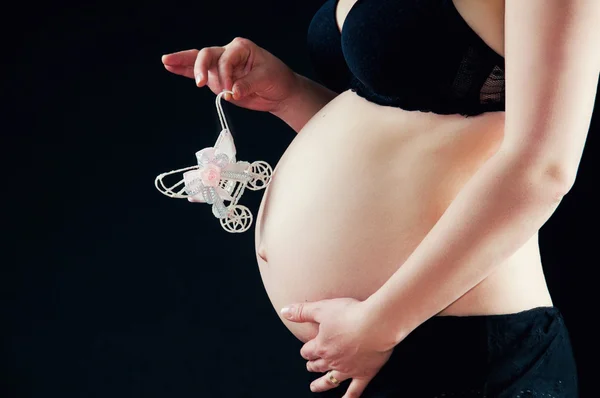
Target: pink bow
[202,184]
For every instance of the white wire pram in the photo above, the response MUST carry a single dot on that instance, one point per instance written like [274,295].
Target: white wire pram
[218,177]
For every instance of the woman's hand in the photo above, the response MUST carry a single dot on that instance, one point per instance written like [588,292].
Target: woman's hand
[259,80]
[352,342]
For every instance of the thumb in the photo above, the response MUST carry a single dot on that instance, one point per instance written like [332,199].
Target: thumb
[247,85]
[303,312]
[356,388]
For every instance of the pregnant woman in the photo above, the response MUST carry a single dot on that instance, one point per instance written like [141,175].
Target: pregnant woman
[400,228]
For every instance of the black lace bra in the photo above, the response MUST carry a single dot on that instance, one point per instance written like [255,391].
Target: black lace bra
[411,54]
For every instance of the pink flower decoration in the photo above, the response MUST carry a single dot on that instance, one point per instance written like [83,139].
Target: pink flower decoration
[211,175]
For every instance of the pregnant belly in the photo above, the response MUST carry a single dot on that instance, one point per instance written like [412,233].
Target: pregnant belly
[356,191]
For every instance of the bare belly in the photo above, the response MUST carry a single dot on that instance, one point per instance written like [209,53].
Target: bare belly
[357,190]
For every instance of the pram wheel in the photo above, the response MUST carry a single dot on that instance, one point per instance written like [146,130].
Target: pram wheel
[238,220]
[261,175]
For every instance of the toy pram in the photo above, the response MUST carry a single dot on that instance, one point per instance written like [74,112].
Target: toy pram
[219,177]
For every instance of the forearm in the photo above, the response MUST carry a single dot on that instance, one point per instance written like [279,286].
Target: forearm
[495,213]
[308,99]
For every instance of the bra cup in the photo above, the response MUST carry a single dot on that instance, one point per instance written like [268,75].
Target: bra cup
[325,51]
[413,54]
[391,51]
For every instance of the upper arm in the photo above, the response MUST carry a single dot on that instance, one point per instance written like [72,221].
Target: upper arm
[552,65]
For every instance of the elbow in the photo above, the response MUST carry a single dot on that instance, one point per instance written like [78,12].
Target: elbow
[547,177]
[552,180]
[561,177]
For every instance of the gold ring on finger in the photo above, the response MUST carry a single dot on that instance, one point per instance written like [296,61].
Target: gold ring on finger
[332,379]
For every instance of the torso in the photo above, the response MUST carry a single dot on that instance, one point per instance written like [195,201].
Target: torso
[361,185]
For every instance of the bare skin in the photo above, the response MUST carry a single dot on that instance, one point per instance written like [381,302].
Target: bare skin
[362,184]
[352,197]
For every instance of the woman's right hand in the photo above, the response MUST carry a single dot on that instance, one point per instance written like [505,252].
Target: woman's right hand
[259,80]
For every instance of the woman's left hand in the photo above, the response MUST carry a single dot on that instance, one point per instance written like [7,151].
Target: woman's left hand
[351,342]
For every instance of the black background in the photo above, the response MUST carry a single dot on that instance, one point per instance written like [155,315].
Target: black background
[110,289]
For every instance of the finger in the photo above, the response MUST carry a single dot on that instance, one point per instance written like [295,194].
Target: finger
[233,58]
[325,383]
[206,60]
[309,350]
[187,71]
[318,365]
[303,312]
[356,388]
[181,58]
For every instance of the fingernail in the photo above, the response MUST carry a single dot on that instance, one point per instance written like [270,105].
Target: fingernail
[286,312]
[198,78]
[312,387]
